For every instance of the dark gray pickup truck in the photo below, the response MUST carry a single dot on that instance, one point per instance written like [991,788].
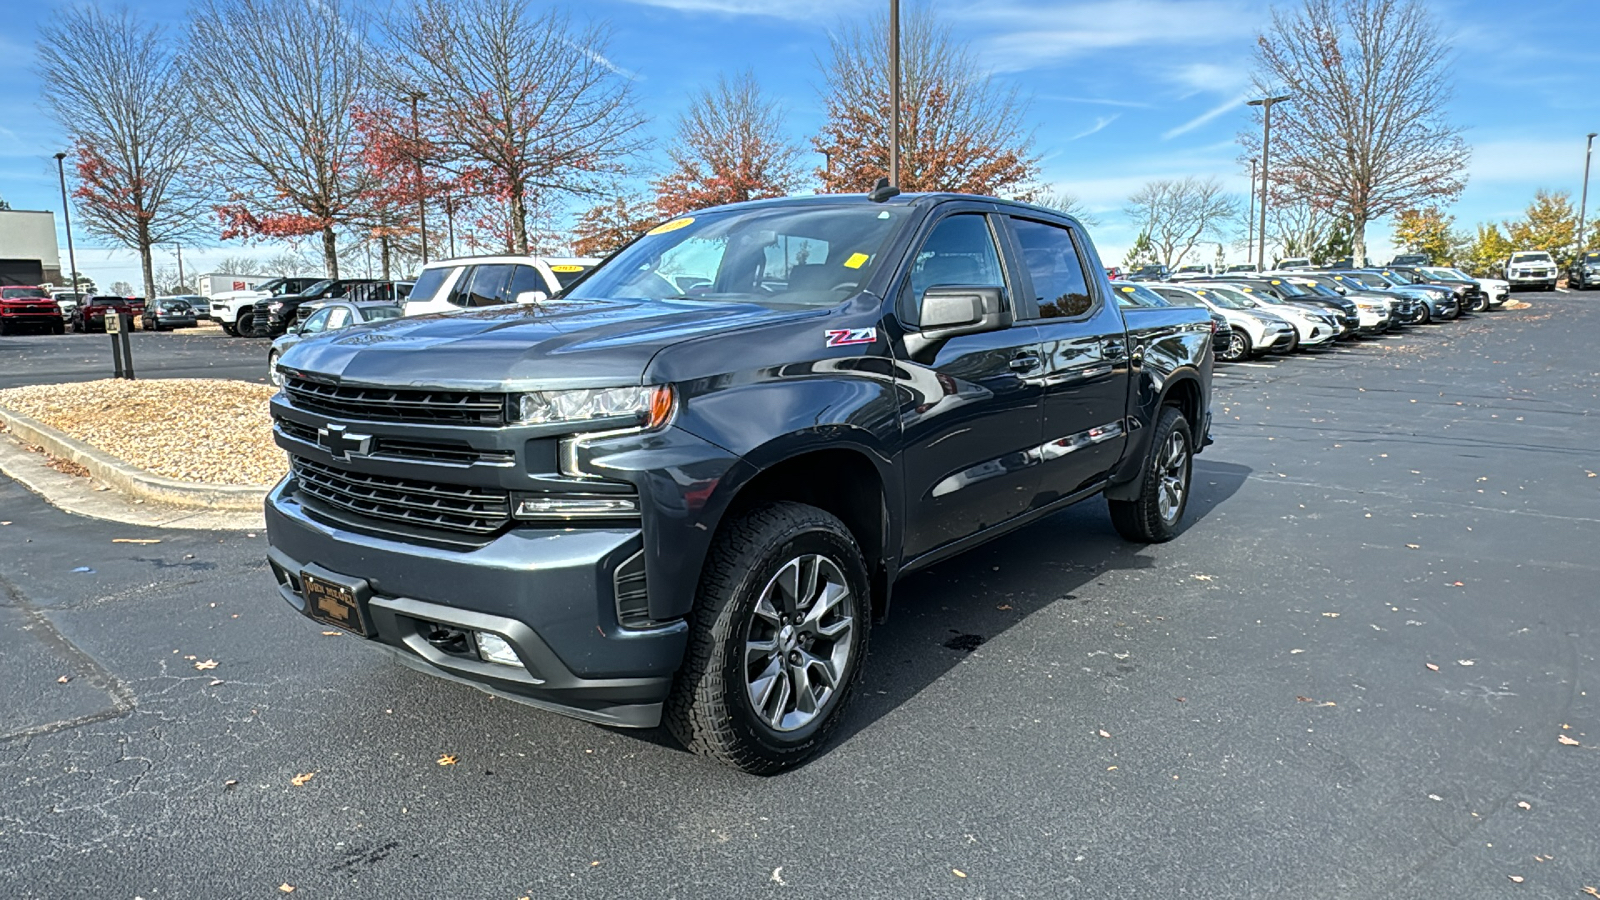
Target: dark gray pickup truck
[683,489]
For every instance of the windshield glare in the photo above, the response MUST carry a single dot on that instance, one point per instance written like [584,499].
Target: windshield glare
[24,294]
[792,255]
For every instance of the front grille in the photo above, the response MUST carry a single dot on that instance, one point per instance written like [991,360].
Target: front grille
[421,407]
[426,504]
[385,447]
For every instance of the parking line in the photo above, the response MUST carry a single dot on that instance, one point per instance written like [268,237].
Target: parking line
[1256,365]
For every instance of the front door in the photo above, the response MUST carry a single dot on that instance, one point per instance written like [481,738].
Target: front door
[971,412]
[1085,359]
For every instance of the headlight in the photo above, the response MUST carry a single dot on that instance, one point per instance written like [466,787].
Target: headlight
[650,405]
[274,307]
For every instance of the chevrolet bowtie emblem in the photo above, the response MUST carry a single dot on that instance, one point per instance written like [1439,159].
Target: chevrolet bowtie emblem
[342,444]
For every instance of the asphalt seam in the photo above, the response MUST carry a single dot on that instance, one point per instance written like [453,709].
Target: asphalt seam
[122,697]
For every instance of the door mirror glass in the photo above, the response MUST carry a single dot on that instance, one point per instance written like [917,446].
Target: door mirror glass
[948,311]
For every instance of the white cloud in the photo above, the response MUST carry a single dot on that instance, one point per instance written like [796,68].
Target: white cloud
[1030,36]
[777,9]
[1100,122]
[1221,109]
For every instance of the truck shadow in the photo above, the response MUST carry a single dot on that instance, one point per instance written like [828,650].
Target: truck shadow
[942,614]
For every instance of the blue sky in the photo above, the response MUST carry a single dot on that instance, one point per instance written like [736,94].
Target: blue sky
[1123,90]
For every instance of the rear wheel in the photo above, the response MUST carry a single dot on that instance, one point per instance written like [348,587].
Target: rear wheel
[1169,465]
[778,634]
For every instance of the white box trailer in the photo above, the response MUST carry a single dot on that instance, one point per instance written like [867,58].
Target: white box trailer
[219,283]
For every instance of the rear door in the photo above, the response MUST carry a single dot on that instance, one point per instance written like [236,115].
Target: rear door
[1085,356]
[970,416]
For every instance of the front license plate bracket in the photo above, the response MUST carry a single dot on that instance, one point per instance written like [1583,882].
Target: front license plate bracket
[335,600]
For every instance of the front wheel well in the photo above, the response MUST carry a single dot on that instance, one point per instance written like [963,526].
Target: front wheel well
[843,483]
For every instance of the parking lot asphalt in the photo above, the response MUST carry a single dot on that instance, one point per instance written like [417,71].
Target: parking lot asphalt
[1348,677]
[187,353]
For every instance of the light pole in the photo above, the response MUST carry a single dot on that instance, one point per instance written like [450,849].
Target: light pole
[894,93]
[1250,217]
[1266,139]
[416,148]
[1583,205]
[450,222]
[182,284]
[66,216]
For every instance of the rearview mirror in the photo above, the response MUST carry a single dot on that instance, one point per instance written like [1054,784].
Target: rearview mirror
[529,297]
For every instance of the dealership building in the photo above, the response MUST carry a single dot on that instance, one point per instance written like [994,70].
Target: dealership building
[28,251]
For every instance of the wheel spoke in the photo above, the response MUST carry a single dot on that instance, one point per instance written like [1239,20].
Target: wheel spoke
[757,651]
[764,685]
[765,609]
[805,697]
[807,583]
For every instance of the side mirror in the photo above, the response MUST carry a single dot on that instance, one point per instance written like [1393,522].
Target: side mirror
[949,311]
[527,298]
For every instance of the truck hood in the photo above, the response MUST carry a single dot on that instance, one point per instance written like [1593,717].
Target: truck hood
[560,345]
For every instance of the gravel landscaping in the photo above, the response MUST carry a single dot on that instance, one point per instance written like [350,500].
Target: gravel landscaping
[199,429]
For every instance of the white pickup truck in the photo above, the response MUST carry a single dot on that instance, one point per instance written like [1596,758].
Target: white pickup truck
[227,305]
[1531,269]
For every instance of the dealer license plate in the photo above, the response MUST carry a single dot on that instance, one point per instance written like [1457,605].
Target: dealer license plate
[332,603]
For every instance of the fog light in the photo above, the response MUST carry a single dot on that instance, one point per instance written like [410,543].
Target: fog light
[493,648]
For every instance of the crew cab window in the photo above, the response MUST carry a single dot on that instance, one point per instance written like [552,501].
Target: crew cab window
[488,286]
[429,283]
[524,279]
[959,251]
[318,322]
[1059,285]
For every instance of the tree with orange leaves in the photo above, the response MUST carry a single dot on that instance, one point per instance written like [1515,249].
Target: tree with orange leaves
[959,130]
[605,227]
[730,147]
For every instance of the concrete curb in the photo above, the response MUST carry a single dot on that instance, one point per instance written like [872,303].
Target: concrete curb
[129,480]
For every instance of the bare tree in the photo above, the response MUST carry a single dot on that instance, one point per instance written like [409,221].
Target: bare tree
[278,81]
[959,131]
[130,123]
[1060,201]
[240,265]
[1178,214]
[1366,133]
[730,147]
[515,104]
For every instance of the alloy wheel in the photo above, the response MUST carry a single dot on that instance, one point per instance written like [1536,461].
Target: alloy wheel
[798,644]
[1173,470]
[1238,348]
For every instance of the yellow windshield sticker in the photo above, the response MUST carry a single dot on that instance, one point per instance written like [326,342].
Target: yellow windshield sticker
[566,268]
[856,260]
[674,225]
[1127,290]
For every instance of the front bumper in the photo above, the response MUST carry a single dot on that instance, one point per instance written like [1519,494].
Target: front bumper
[545,591]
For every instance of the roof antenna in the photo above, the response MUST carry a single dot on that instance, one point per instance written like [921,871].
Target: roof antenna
[882,191]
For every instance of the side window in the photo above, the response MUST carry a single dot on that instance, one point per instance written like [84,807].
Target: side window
[1060,287]
[429,283]
[488,286]
[317,323]
[338,317]
[524,279]
[959,251]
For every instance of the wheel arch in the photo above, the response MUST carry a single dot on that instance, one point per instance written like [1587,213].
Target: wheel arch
[1183,390]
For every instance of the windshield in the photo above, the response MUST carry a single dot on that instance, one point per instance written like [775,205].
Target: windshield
[28,293]
[1233,299]
[1398,278]
[1221,299]
[1592,256]
[1530,256]
[374,313]
[1312,287]
[1137,295]
[317,288]
[1447,274]
[1242,267]
[803,255]
[1178,298]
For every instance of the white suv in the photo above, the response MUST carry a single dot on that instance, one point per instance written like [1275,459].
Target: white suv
[480,281]
[1531,268]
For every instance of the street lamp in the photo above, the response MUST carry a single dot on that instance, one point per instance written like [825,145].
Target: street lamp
[1583,205]
[1266,138]
[1250,217]
[66,215]
[416,147]
[894,93]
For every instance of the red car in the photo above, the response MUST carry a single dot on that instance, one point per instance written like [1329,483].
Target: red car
[24,308]
[1113,272]
[91,313]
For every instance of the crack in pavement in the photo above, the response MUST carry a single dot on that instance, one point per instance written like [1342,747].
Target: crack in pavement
[83,665]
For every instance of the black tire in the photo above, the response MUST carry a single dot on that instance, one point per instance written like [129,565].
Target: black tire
[1455,314]
[1294,344]
[5,328]
[272,370]
[1168,469]
[58,328]
[1238,347]
[230,329]
[1426,315]
[711,709]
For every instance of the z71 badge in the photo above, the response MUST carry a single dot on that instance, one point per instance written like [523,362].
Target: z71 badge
[839,337]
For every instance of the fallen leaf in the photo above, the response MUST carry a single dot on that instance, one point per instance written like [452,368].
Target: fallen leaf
[1413,546]
[1296,650]
[135,540]
[1563,739]
[1515,879]
[286,888]
[1332,615]
[63,679]
[1180,699]
[230,782]
[446,760]
[1104,733]
[1433,667]
[333,633]
[1003,606]
[1523,804]
[1111,768]
[958,873]
[1327,703]
[301,779]
[1466,662]
[1457,584]
[1304,699]
[1202,578]
[595,863]
[215,682]
[206,664]
[1586,888]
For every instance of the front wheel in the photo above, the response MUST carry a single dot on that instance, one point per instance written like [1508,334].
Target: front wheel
[1153,517]
[273,375]
[778,635]
[1425,316]
[1238,347]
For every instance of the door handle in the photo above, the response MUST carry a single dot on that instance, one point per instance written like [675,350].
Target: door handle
[1114,349]
[1024,362]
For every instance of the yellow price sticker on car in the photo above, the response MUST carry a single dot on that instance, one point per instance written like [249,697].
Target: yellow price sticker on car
[566,268]
[856,260]
[674,225]
[1127,290]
